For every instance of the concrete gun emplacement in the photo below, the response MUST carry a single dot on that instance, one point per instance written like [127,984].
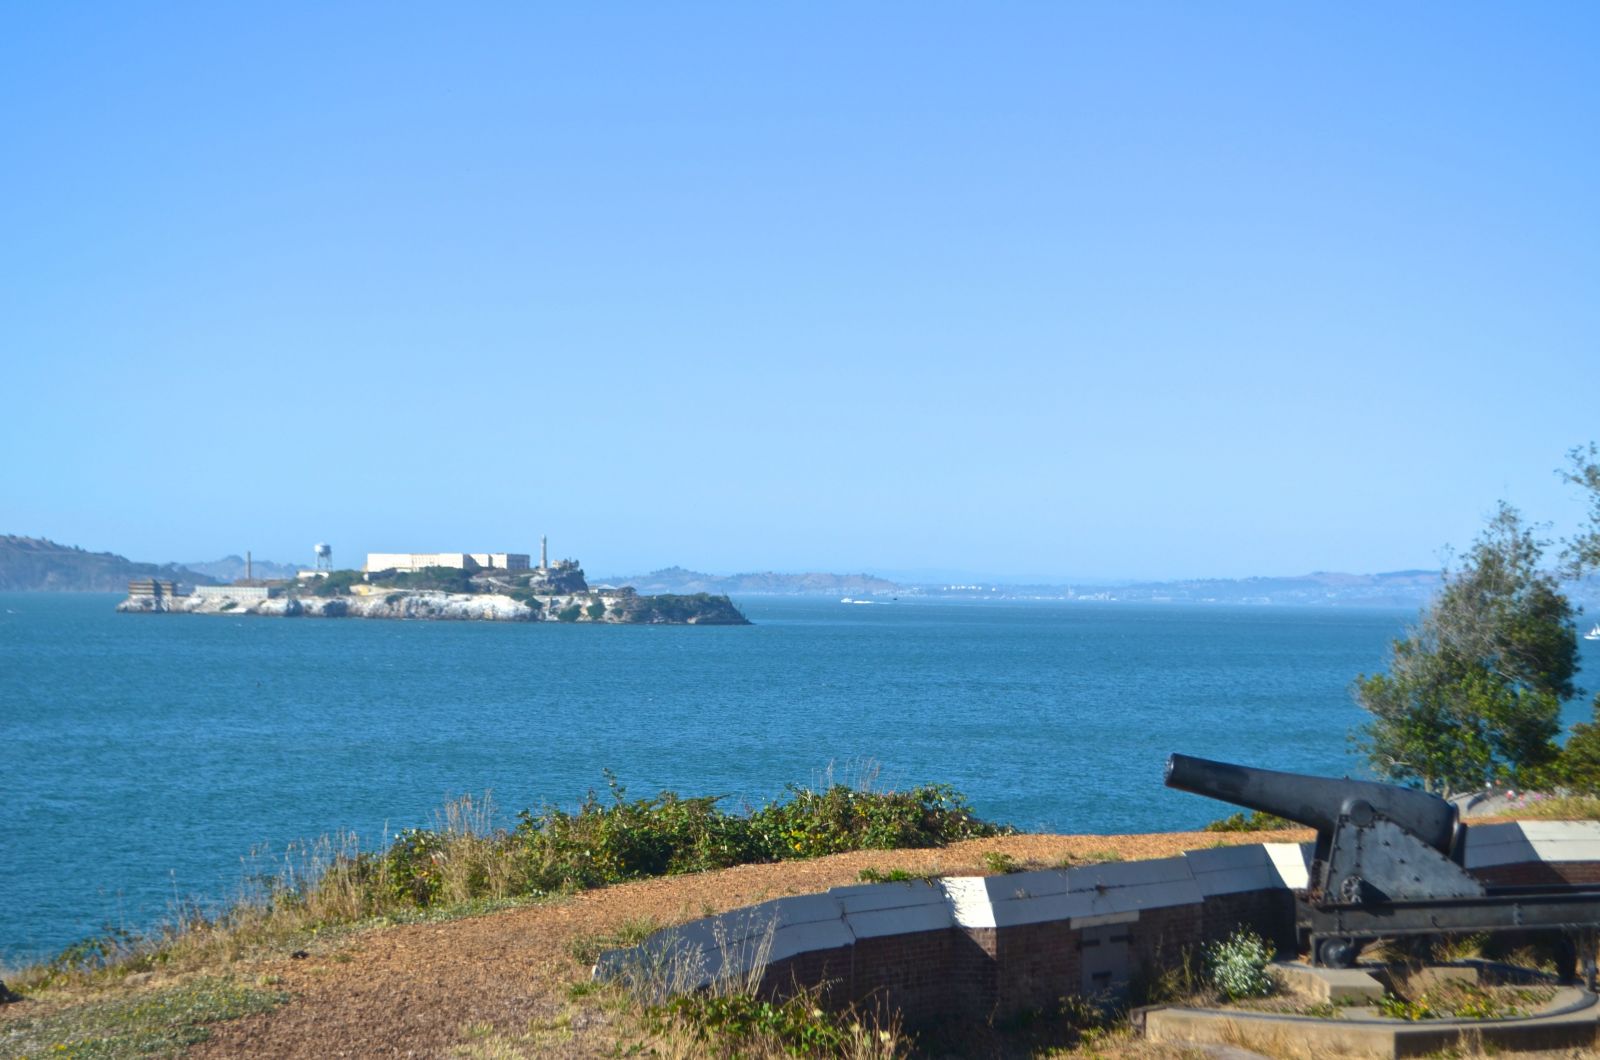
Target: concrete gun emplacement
[1390,862]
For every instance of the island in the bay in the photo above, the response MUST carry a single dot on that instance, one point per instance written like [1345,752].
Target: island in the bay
[485,586]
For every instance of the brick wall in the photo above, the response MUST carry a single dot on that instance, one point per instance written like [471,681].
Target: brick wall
[982,973]
[984,948]
[1529,873]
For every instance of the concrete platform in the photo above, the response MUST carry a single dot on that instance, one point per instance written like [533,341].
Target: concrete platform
[1568,1021]
[1335,985]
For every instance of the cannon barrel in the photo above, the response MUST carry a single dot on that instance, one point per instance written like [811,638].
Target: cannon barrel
[1316,802]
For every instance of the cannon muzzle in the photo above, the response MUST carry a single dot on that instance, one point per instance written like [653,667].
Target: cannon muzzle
[1317,802]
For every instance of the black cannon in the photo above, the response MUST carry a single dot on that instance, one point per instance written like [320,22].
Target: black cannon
[1388,863]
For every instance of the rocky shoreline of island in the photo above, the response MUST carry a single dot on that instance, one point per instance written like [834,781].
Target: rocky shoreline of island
[619,607]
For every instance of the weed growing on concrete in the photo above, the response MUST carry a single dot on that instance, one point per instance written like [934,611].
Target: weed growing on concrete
[1093,857]
[1399,1008]
[876,875]
[1000,863]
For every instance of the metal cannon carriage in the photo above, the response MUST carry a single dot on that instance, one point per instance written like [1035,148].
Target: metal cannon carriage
[1389,862]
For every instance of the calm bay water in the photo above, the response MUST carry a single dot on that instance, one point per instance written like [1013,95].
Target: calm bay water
[144,755]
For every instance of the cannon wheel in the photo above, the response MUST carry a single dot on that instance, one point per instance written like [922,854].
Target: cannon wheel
[1336,951]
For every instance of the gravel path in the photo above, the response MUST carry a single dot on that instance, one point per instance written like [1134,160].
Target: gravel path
[419,990]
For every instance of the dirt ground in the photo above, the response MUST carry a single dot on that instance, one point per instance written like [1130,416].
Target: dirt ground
[424,990]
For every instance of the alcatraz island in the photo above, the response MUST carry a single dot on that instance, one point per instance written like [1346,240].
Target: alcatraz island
[482,586]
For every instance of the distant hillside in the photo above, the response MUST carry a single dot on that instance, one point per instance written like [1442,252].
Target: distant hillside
[678,580]
[1396,588]
[1408,588]
[32,564]
[231,569]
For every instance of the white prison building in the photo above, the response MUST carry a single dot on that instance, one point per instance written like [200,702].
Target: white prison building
[413,561]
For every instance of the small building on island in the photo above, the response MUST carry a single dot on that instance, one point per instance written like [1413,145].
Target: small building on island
[469,561]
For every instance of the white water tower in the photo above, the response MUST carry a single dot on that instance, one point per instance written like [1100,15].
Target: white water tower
[324,556]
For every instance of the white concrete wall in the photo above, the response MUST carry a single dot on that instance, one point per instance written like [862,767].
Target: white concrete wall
[1518,841]
[411,561]
[500,560]
[233,592]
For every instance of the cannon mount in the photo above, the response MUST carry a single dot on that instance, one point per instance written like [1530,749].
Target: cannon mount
[1389,862]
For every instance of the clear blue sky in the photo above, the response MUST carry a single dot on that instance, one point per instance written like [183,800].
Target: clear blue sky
[1067,290]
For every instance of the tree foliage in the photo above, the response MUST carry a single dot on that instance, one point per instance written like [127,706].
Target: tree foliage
[1474,690]
[1582,554]
[1579,768]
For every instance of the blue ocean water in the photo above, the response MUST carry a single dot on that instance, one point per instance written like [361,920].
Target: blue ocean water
[144,755]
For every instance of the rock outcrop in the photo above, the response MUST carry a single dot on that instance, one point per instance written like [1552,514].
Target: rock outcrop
[621,607]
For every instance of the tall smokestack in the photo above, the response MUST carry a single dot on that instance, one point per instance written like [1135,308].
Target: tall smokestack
[248,576]
[544,553]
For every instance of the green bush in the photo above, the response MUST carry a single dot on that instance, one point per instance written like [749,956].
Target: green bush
[337,583]
[596,610]
[628,839]
[741,1025]
[569,613]
[601,844]
[526,596]
[413,864]
[1000,863]
[437,579]
[704,608]
[1257,821]
[1238,965]
[839,818]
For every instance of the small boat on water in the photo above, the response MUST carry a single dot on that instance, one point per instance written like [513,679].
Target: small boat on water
[1593,634]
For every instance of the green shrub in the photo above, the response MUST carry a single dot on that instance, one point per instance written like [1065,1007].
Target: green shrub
[413,865]
[1238,965]
[526,596]
[840,818]
[569,613]
[704,608]
[871,874]
[1256,821]
[740,1025]
[596,610]
[628,839]
[601,844]
[437,579]
[337,583]
[1000,863]
[1401,1009]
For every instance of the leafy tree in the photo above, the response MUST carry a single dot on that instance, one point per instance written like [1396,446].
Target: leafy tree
[1582,554]
[1474,690]
[1579,767]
